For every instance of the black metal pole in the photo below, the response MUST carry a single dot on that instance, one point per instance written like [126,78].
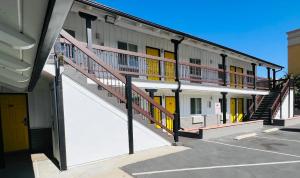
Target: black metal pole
[224,68]
[269,77]
[254,75]
[274,78]
[129,113]
[176,120]
[224,106]
[254,103]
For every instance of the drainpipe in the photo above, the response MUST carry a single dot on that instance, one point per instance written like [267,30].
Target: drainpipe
[176,121]
[88,23]
[224,68]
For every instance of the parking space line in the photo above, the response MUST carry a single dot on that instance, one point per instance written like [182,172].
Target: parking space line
[215,167]
[254,149]
[283,139]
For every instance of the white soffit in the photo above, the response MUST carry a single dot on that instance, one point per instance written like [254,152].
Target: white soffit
[14,38]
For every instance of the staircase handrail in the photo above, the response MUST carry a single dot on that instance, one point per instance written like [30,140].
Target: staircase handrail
[118,76]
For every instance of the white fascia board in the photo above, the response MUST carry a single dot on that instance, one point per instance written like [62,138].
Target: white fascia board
[222,89]
[155,85]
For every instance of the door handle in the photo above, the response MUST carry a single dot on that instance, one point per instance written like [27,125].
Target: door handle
[25,121]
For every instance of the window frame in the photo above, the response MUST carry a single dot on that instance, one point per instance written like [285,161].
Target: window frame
[193,106]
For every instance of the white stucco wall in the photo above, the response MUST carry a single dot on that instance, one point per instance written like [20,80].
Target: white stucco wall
[286,110]
[39,105]
[97,130]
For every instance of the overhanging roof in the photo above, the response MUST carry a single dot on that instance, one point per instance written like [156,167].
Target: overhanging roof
[122,14]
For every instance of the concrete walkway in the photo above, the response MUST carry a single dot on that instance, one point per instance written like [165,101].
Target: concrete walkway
[44,168]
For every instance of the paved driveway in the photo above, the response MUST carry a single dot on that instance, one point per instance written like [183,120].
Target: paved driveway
[275,154]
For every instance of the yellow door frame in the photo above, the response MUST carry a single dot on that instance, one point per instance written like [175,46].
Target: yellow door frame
[153,65]
[170,106]
[240,78]
[5,104]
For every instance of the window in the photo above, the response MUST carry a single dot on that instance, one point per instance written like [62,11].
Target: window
[221,104]
[220,74]
[196,106]
[195,72]
[250,80]
[128,62]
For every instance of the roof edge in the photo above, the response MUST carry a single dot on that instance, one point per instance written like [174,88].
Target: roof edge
[112,10]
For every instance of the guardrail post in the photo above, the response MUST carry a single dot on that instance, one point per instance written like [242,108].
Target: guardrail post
[128,87]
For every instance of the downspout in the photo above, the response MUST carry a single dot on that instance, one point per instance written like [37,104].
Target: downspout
[176,122]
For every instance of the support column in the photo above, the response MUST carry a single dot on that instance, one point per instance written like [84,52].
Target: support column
[269,77]
[224,68]
[151,94]
[274,78]
[254,103]
[88,23]
[129,113]
[289,99]
[254,75]
[176,125]
[224,106]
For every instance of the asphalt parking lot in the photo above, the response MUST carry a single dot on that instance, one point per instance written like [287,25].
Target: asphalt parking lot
[275,154]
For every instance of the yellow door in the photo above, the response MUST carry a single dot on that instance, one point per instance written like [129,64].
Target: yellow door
[233,110]
[232,76]
[13,110]
[240,109]
[157,113]
[240,81]
[153,64]
[169,67]
[170,106]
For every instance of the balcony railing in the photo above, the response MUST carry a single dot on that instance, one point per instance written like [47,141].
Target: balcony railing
[148,67]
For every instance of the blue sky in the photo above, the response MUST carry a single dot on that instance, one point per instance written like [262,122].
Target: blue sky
[256,27]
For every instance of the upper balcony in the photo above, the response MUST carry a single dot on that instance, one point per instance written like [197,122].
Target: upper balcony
[151,68]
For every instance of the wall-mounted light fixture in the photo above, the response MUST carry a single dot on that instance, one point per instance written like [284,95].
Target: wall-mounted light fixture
[110,19]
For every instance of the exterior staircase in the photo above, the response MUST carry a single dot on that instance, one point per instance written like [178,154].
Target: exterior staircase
[269,105]
[263,110]
[83,65]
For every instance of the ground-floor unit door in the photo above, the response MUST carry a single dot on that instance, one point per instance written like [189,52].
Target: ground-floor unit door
[157,112]
[14,122]
[170,106]
[236,109]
